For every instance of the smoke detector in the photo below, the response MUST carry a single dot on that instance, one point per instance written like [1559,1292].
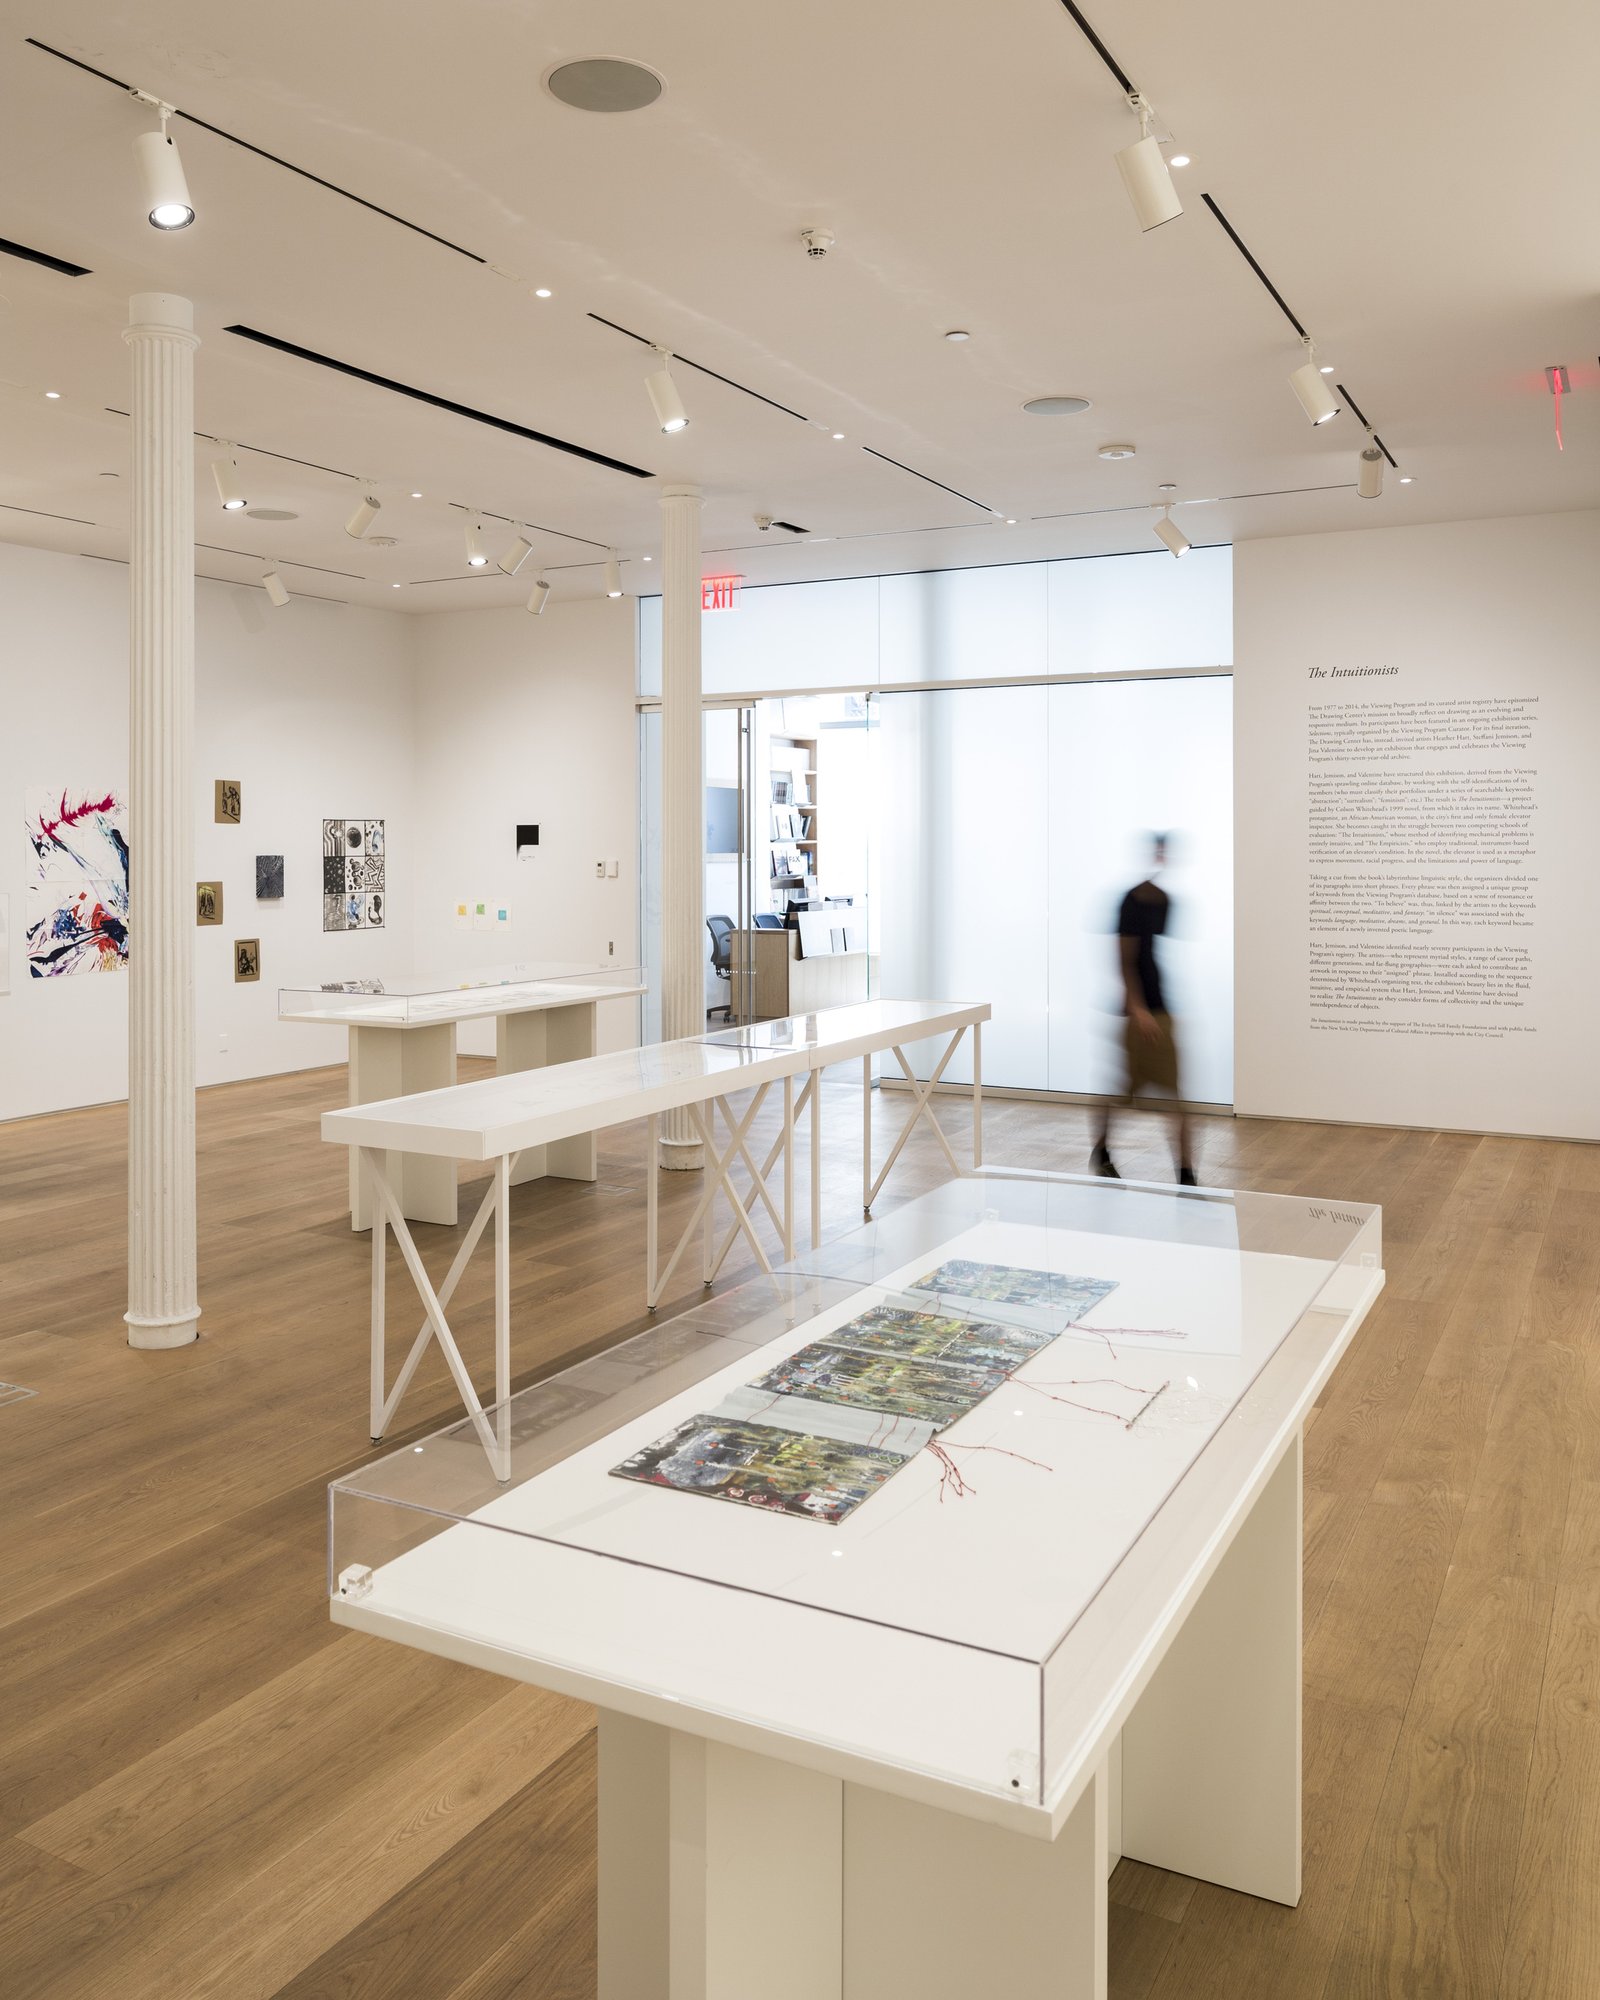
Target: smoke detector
[818,242]
[763,522]
[1116,451]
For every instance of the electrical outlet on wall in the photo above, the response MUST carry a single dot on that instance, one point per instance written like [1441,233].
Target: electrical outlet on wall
[600,871]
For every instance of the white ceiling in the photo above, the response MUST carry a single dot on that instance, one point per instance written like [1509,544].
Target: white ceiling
[1414,180]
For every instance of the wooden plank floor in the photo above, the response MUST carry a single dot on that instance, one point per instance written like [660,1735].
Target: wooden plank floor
[208,1790]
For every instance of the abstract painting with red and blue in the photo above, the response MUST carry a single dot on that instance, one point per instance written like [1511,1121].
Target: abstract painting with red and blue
[77,904]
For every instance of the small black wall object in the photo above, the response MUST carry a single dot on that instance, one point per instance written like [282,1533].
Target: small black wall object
[527,836]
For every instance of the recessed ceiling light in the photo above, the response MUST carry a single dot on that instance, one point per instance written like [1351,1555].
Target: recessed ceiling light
[541,291]
[647,558]
[416,496]
[1057,406]
[52,395]
[1011,520]
[1405,479]
[1178,160]
[838,437]
[1324,369]
[394,586]
[1116,451]
[602,83]
[1168,486]
[958,333]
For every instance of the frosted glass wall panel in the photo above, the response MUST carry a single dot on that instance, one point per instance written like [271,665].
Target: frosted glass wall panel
[960,898]
[1128,758]
[965,625]
[1136,614]
[791,635]
[650,872]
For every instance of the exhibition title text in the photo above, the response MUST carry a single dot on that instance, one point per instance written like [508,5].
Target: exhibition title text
[1347,673]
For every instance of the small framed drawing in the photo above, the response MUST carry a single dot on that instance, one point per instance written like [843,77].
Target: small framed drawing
[269,878]
[229,808]
[208,902]
[246,959]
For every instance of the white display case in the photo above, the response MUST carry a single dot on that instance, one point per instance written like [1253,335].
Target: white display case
[971,1633]
[425,1000]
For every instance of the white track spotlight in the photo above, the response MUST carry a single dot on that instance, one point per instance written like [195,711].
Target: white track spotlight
[275,588]
[225,471]
[664,397]
[1308,383]
[538,597]
[1168,531]
[367,511]
[613,577]
[166,192]
[516,553]
[1143,167]
[476,558]
[1369,471]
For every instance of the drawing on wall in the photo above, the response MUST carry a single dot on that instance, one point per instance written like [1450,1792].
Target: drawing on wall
[490,916]
[354,891]
[246,959]
[208,902]
[229,802]
[527,840]
[269,877]
[77,900]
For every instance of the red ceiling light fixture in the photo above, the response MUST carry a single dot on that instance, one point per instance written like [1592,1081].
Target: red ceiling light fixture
[1560,385]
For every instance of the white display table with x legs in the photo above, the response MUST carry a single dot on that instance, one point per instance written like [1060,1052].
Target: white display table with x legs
[1012,1586]
[502,1119]
[402,1039]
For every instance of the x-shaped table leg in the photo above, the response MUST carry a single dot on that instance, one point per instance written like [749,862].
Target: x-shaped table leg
[921,1107]
[716,1176]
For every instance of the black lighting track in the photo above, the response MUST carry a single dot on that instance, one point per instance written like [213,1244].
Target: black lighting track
[11,507]
[43,257]
[437,402]
[700,368]
[927,478]
[283,562]
[1124,83]
[259,450]
[519,521]
[261,153]
[1356,412]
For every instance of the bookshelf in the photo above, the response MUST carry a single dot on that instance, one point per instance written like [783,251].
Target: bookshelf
[795,821]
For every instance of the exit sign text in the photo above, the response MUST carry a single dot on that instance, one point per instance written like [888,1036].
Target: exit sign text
[720,593]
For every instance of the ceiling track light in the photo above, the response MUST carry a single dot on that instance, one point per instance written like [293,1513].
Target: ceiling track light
[225,471]
[477,558]
[1310,384]
[612,577]
[511,559]
[1369,471]
[166,192]
[274,586]
[538,597]
[1168,531]
[664,397]
[1144,171]
[367,510]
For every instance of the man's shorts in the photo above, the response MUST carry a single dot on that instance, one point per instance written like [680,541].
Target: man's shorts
[1152,1058]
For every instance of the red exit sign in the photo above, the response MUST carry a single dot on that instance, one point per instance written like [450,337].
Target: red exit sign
[720,593]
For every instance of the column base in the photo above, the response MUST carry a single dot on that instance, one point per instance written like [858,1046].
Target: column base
[144,1332]
[682,1155]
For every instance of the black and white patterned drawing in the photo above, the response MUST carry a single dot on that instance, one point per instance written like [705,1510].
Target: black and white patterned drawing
[354,891]
[269,877]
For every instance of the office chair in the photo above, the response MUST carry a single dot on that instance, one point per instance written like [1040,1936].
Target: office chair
[768,923]
[721,929]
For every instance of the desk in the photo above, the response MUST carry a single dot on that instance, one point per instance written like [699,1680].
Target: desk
[499,1118]
[403,1040]
[899,1749]
[770,977]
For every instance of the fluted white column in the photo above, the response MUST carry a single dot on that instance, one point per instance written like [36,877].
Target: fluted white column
[163,1302]
[683,834]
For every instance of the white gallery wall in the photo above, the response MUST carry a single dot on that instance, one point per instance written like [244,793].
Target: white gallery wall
[310,707]
[528,720]
[1417,737]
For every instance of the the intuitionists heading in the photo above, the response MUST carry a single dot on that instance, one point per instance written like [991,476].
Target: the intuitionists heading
[1348,673]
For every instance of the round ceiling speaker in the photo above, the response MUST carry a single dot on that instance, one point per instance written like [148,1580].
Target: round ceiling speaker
[603,83]
[1057,406]
[1116,451]
[382,542]
[270,514]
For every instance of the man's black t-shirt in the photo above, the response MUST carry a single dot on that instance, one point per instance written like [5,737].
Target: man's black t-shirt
[1143,915]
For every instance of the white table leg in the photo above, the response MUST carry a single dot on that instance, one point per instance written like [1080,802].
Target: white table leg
[921,1107]
[866,1135]
[533,1041]
[1026,1918]
[652,1207]
[714,1178]
[1211,1753]
[725,1874]
[977,1095]
[815,1087]
[398,1062]
[380,1273]
[788,1168]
